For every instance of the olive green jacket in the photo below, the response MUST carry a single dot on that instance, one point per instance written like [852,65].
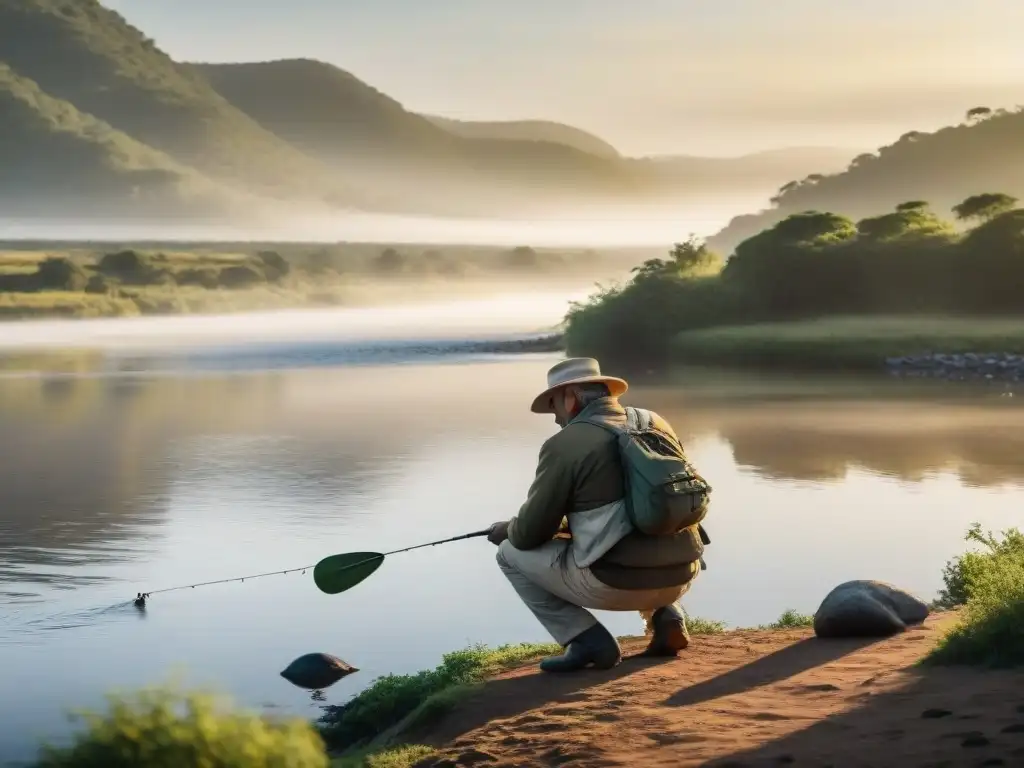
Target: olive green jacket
[579,485]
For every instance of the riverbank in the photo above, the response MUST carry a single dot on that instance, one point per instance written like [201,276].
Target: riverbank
[745,698]
[810,690]
[937,347]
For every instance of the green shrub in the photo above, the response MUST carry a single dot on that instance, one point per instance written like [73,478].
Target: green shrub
[239,276]
[989,584]
[791,619]
[397,757]
[161,728]
[698,626]
[60,274]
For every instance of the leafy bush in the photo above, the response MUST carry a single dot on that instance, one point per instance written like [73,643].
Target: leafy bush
[161,728]
[791,619]
[60,274]
[240,276]
[989,584]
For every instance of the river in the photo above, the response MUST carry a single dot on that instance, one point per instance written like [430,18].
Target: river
[215,456]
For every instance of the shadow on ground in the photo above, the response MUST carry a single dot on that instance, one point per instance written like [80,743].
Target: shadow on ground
[942,716]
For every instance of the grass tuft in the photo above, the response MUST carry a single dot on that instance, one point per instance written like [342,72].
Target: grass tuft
[791,619]
[406,700]
[394,757]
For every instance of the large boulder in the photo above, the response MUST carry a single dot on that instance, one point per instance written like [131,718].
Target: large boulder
[866,608]
[316,670]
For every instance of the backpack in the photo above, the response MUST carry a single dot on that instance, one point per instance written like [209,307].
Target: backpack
[663,492]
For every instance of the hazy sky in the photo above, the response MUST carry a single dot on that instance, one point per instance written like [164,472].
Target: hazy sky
[651,76]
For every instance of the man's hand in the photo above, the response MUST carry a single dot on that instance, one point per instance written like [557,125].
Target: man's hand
[498,532]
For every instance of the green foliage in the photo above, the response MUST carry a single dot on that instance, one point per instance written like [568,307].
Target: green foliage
[984,207]
[972,573]
[396,757]
[163,728]
[989,584]
[419,697]
[810,265]
[58,274]
[948,164]
[695,625]
[791,619]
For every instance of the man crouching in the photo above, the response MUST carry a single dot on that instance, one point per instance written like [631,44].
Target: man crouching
[572,545]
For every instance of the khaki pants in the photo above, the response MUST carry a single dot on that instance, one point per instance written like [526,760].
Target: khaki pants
[558,592]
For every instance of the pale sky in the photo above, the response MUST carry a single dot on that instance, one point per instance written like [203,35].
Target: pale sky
[650,76]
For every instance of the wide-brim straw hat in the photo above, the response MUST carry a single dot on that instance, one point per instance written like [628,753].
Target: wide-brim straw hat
[575,370]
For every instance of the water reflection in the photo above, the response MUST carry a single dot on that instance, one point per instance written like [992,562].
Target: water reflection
[112,484]
[86,464]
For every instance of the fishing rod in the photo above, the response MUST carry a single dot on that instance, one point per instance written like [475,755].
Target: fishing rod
[332,575]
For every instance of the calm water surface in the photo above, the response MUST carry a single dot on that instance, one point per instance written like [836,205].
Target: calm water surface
[115,483]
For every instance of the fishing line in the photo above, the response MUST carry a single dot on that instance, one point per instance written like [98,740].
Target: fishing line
[372,557]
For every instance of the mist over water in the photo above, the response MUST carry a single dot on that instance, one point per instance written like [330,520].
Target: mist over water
[593,227]
[281,338]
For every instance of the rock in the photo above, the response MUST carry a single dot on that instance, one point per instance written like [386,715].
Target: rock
[867,609]
[316,670]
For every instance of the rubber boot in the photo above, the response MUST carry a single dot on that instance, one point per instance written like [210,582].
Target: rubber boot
[670,635]
[594,647]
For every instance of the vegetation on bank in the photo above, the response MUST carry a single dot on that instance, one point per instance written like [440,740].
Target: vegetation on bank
[982,151]
[989,584]
[847,343]
[401,702]
[819,266]
[163,728]
[84,282]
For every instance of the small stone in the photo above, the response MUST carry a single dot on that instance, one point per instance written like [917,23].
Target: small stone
[1015,728]
[931,714]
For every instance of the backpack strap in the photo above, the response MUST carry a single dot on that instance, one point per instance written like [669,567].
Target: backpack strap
[638,419]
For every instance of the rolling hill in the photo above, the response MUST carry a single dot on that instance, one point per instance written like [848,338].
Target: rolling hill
[497,166]
[942,167]
[86,55]
[528,130]
[93,105]
[337,118]
[61,157]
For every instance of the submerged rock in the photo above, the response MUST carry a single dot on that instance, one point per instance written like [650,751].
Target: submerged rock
[316,670]
[866,608]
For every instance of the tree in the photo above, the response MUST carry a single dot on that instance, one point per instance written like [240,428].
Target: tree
[984,207]
[60,274]
[274,265]
[978,113]
[912,205]
[691,258]
[389,260]
[911,219]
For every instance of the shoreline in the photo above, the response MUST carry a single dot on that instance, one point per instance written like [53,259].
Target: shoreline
[876,672]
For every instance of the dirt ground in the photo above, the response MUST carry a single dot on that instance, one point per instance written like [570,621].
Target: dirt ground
[748,698]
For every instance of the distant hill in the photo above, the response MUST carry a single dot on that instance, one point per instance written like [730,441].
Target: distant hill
[983,154]
[89,56]
[61,157]
[511,166]
[755,170]
[528,130]
[95,115]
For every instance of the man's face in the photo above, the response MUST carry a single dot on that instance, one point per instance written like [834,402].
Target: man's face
[563,403]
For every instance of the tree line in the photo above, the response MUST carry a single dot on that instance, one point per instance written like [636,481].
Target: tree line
[814,264]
